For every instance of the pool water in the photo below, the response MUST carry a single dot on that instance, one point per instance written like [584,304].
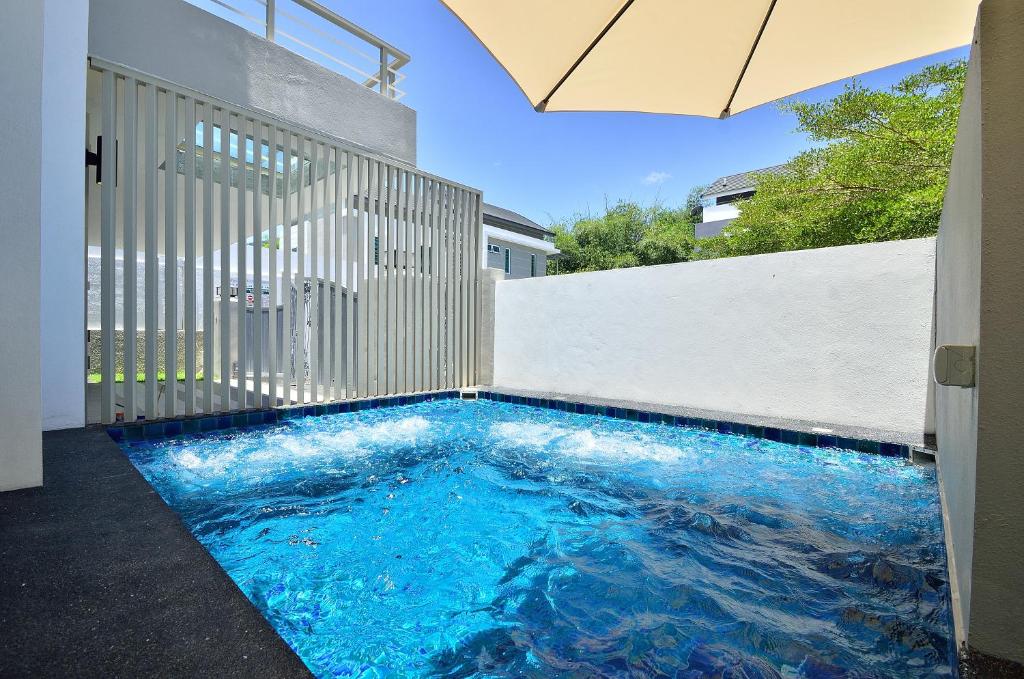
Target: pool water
[489,539]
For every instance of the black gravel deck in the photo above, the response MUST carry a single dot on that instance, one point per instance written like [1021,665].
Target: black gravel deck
[98,577]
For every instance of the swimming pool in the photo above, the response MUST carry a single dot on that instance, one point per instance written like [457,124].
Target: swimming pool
[490,539]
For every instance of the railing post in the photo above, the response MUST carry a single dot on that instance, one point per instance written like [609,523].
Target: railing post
[383,71]
[271,15]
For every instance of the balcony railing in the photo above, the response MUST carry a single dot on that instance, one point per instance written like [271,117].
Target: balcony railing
[308,28]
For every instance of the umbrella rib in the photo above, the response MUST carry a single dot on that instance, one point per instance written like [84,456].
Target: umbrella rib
[750,55]
[622,10]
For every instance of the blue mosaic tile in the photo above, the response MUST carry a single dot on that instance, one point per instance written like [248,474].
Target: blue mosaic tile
[868,447]
[724,428]
[773,434]
[756,431]
[136,433]
[806,439]
[224,422]
[191,426]
[153,430]
[789,436]
[893,450]
[827,441]
[116,433]
[208,424]
[173,428]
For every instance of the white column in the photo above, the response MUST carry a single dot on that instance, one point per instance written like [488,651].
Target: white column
[61,303]
[21,62]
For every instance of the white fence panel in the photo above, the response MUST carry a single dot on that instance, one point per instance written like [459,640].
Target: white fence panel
[278,266]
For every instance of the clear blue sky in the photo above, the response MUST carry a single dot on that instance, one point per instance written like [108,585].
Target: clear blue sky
[475,127]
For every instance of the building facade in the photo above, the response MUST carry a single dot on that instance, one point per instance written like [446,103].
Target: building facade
[514,244]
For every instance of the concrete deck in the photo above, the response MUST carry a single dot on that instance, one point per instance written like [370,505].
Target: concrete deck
[99,578]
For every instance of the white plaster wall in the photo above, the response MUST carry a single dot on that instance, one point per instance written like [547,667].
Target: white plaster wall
[188,46]
[957,321]
[836,335]
[21,78]
[62,303]
[996,624]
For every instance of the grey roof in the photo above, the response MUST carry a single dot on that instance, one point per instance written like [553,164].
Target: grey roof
[501,217]
[708,229]
[743,181]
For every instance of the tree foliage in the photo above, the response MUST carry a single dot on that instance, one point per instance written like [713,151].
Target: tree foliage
[879,174]
[626,235]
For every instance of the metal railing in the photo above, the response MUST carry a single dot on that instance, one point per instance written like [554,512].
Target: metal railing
[354,52]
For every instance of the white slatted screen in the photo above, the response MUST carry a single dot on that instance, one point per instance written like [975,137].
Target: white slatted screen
[291,267]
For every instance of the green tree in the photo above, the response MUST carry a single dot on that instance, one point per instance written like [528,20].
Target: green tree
[626,235]
[879,174]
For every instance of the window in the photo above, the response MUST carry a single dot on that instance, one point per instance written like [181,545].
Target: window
[508,262]
[533,265]
[491,247]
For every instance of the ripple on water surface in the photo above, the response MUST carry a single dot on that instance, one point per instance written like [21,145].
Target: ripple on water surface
[485,539]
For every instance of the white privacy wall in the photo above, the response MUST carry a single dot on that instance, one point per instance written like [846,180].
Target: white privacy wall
[835,335]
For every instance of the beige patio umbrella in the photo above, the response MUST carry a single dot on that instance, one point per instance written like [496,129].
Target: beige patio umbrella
[702,57]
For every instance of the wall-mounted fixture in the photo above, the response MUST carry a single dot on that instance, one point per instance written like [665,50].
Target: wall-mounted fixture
[954,365]
[95,159]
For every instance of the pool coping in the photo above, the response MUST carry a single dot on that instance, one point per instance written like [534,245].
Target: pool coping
[795,432]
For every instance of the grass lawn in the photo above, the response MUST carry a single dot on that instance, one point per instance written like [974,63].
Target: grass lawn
[161,376]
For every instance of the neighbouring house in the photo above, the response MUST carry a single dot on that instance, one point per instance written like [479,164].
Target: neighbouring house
[519,246]
[719,200]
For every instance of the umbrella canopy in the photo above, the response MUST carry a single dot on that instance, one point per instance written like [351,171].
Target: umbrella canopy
[702,57]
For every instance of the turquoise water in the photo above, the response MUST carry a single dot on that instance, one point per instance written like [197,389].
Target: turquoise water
[488,539]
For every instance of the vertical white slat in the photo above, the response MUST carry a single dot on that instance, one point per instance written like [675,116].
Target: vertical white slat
[409,257]
[108,244]
[314,275]
[441,309]
[474,310]
[287,278]
[459,279]
[457,285]
[189,288]
[225,260]
[464,287]
[131,257]
[341,291]
[152,262]
[383,281]
[452,284]
[401,270]
[372,256]
[436,275]
[413,270]
[273,366]
[326,325]
[242,273]
[422,318]
[208,263]
[300,307]
[257,262]
[170,254]
[362,280]
[467,272]
[350,187]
